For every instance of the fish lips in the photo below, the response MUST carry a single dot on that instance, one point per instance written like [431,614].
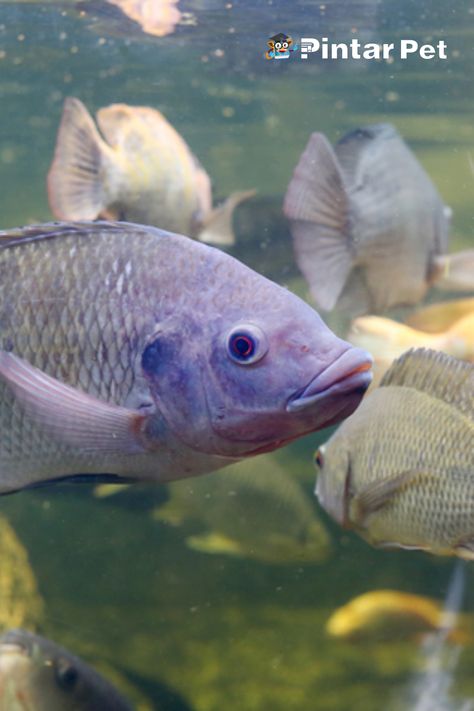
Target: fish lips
[338,388]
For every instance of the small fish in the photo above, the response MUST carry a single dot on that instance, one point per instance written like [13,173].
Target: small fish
[386,615]
[386,340]
[400,471]
[139,354]
[39,675]
[370,229]
[155,17]
[140,169]
[252,510]
[437,318]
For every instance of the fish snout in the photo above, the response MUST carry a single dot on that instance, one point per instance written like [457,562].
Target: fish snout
[349,375]
[330,499]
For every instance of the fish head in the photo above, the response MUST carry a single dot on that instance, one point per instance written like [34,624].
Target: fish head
[334,475]
[38,675]
[31,677]
[249,368]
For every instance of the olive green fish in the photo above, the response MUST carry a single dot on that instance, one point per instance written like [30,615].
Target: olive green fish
[252,510]
[400,471]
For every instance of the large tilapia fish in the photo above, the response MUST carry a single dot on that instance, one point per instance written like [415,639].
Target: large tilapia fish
[400,470]
[369,227]
[39,675]
[140,169]
[130,351]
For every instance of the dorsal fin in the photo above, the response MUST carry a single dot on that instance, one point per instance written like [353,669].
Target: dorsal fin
[437,374]
[34,233]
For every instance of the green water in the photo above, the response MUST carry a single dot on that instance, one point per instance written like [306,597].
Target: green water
[120,588]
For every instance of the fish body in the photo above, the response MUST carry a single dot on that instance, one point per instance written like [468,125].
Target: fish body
[39,675]
[367,221]
[134,352]
[138,168]
[400,471]
[387,615]
[252,510]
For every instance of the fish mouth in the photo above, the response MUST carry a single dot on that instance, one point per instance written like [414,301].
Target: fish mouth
[350,374]
[12,643]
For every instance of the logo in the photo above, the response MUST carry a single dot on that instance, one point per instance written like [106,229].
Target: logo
[280,47]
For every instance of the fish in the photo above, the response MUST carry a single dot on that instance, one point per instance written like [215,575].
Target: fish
[400,470]
[386,615]
[137,169]
[253,510]
[386,340]
[155,17]
[129,353]
[36,674]
[438,317]
[370,230]
[21,602]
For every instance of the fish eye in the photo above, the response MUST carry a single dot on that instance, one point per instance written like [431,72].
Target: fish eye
[278,45]
[246,344]
[285,45]
[319,458]
[66,675]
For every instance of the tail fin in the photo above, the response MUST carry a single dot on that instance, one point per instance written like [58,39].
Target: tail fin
[217,228]
[317,204]
[75,178]
[454,272]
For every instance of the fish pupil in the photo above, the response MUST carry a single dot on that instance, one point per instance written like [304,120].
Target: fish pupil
[66,675]
[242,346]
[151,357]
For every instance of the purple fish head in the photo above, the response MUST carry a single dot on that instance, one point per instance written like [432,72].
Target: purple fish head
[250,368]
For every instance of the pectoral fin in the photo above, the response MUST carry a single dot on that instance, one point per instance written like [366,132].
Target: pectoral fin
[214,543]
[217,228]
[378,494]
[454,272]
[71,416]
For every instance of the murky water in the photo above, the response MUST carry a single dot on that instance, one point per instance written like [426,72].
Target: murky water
[121,588]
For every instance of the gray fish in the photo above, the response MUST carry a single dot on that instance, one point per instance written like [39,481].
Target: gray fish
[39,675]
[129,351]
[369,227]
[252,510]
[400,471]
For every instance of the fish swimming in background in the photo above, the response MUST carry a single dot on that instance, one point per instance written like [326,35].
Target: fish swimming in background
[386,615]
[386,340]
[39,675]
[252,510]
[400,471]
[133,352]
[155,17]
[370,230]
[140,170]
[437,318]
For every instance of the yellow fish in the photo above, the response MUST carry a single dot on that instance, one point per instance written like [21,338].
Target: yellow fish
[400,470]
[386,339]
[385,615]
[139,170]
[439,317]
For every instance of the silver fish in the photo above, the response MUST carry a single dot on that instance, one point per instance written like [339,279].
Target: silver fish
[39,675]
[129,351]
[370,229]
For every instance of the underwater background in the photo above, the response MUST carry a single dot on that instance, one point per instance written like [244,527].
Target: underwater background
[171,625]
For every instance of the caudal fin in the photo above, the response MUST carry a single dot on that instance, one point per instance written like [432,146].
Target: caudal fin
[217,228]
[75,178]
[454,272]
[317,205]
